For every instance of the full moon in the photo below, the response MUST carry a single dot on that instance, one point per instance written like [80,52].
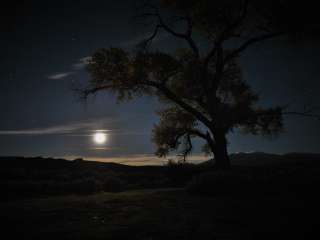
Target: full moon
[99,138]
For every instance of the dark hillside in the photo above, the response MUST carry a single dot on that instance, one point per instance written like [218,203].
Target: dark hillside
[26,177]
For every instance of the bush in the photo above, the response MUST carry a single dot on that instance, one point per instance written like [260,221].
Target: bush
[179,173]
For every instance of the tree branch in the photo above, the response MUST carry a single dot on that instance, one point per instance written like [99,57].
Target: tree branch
[227,31]
[217,48]
[188,147]
[164,90]
[173,97]
[84,93]
[303,114]
[150,39]
[250,42]
[198,133]
[186,36]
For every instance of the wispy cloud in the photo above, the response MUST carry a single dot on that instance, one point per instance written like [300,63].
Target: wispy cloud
[76,129]
[60,75]
[74,68]
[69,128]
[81,63]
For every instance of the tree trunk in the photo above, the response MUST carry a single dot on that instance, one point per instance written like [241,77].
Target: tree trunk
[220,152]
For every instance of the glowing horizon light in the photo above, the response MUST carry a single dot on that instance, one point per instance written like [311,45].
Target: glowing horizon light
[100,138]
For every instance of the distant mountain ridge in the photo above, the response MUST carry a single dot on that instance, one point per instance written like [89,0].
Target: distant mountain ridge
[261,158]
[241,158]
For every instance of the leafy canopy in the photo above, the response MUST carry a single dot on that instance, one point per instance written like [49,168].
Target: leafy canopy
[203,92]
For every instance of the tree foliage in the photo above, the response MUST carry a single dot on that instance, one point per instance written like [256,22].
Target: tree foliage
[204,92]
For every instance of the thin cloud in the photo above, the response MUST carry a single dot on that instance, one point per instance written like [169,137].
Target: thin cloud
[76,129]
[70,128]
[77,66]
[60,75]
[125,132]
[82,63]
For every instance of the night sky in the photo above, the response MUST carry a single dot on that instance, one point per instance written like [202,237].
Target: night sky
[44,45]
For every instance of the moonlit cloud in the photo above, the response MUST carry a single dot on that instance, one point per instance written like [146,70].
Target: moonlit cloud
[76,129]
[89,125]
[82,62]
[60,75]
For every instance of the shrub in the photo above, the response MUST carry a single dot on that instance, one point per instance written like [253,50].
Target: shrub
[179,173]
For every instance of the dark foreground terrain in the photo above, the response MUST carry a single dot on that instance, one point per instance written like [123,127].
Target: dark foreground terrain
[263,197]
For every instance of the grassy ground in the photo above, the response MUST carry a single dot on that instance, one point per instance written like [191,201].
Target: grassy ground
[163,214]
[263,197]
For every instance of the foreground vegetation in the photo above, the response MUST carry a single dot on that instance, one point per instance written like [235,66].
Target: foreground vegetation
[41,177]
[162,214]
[277,200]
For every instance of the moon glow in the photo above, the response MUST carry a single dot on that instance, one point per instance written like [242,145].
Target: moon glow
[100,138]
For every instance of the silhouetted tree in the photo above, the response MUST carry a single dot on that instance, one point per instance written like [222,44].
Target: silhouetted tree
[204,92]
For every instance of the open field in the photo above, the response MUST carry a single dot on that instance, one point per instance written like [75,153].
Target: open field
[162,214]
[276,201]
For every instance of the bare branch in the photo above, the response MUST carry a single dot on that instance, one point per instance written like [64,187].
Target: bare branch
[147,41]
[186,36]
[188,147]
[306,112]
[250,42]
[85,92]
[160,87]
[198,133]
[228,32]
[237,23]
[161,24]
[303,114]
[164,90]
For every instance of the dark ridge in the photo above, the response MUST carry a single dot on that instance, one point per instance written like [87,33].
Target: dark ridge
[37,176]
[253,158]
